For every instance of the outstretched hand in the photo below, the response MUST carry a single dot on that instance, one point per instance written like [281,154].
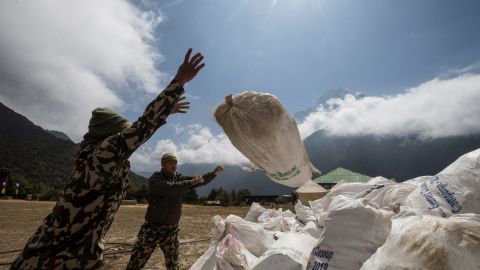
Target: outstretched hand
[198,180]
[181,107]
[189,68]
[217,170]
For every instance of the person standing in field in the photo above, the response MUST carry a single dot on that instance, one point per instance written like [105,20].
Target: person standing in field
[166,189]
[72,236]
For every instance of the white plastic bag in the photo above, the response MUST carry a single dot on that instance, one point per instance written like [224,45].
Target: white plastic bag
[271,220]
[208,260]
[289,252]
[304,213]
[317,208]
[352,189]
[313,229]
[380,180]
[254,212]
[421,241]
[291,224]
[390,196]
[251,235]
[352,233]
[287,213]
[231,254]
[260,127]
[454,190]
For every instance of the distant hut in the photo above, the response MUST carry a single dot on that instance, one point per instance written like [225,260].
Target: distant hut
[332,178]
[311,191]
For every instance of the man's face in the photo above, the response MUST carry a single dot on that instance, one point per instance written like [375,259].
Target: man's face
[170,166]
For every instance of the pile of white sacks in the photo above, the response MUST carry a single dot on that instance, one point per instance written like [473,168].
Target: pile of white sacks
[430,222]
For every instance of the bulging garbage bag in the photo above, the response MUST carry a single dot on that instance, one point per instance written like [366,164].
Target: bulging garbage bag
[251,235]
[304,213]
[454,190]
[260,127]
[232,254]
[390,196]
[353,231]
[289,252]
[419,241]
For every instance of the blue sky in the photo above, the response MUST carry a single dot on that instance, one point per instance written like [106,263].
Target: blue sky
[422,54]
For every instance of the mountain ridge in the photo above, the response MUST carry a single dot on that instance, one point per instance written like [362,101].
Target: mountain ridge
[33,152]
[323,99]
[401,158]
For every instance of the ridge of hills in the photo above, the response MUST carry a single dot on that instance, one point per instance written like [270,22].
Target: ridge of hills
[39,156]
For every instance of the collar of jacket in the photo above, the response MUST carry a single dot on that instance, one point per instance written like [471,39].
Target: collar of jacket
[167,175]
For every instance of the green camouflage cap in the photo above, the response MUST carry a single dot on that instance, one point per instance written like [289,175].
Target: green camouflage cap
[168,156]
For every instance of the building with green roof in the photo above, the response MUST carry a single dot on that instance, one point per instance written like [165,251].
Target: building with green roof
[333,177]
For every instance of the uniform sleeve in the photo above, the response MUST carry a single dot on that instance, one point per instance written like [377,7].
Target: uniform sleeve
[163,188]
[208,177]
[115,149]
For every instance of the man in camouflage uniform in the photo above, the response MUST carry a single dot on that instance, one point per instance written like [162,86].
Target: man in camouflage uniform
[166,189]
[72,236]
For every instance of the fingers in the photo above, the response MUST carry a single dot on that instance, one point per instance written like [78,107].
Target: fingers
[195,58]
[189,68]
[187,56]
[197,69]
[182,107]
[218,170]
[197,61]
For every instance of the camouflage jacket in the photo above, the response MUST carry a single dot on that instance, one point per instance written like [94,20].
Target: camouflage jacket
[166,196]
[72,236]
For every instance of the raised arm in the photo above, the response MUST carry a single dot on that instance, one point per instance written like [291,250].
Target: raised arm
[173,188]
[208,177]
[120,147]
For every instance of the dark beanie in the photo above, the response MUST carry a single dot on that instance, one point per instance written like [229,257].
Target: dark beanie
[105,121]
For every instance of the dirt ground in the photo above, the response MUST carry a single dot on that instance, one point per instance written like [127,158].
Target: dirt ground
[18,220]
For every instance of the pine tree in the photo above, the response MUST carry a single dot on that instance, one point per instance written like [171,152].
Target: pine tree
[233,198]
[191,196]
[212,195]
[223,197]
[242,193]
[11,188]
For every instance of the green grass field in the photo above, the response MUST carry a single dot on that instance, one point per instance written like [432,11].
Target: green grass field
[20,218]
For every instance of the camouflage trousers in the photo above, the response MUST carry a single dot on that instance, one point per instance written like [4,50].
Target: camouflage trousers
[151,235]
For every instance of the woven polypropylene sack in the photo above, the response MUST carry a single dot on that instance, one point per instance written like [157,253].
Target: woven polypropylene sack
[418,241]
[260,127]
[352,233]
[454,190]
[289,252]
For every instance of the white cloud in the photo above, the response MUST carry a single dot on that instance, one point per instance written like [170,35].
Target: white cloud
[438,108]
[201,147]
[192,97]
[178,128]
[60,59]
